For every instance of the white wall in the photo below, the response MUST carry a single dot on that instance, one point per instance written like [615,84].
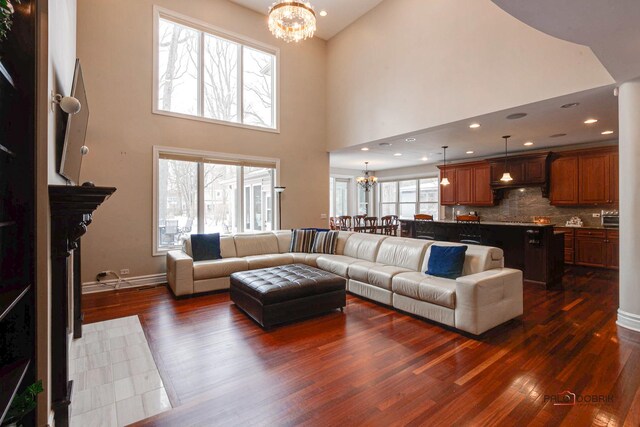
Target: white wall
[409,65]
[115,47]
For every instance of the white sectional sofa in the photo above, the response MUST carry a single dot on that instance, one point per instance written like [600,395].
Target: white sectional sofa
[389,270]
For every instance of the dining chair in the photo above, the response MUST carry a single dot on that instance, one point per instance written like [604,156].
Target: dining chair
[332,223]
[371,224]
[358,221]
[344,222]
[387,224]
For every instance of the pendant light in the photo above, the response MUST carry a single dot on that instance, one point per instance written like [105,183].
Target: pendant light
[445,180]
[506,176]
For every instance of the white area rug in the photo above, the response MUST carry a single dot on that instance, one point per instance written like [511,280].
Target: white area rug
[115,379]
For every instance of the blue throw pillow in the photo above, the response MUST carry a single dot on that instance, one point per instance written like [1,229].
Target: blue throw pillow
[205,247]
[446,261]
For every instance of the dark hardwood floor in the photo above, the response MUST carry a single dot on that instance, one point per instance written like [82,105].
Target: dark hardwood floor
[372,365]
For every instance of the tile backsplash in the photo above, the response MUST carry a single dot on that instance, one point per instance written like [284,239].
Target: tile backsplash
[522,204]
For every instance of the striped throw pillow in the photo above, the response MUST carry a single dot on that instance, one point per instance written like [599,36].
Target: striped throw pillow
[302,240]
[325,242]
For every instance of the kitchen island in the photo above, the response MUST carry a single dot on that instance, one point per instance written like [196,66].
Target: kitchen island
[533,248]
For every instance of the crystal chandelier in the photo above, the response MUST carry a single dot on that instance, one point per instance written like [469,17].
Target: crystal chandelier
[292,21]
[367,181]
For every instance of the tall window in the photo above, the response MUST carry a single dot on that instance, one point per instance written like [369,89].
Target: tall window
[197,194]
[409,197]
[339,196]
[205,73]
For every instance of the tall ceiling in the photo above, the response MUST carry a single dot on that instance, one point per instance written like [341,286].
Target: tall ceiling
[340,13]
[610,28]
[543,119]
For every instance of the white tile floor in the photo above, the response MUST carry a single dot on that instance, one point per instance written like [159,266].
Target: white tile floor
[115,380]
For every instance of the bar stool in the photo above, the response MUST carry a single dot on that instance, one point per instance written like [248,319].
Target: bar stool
[469,229]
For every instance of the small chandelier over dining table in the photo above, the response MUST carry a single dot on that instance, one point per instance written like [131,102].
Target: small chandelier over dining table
[367,181]
[292,21]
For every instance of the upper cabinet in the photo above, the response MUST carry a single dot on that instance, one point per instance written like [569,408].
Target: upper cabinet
[527,169]
[470,185]
[586,177]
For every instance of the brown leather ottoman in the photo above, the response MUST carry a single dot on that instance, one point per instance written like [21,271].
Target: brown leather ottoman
[276,295]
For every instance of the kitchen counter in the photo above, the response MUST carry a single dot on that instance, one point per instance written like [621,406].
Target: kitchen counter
[535,249]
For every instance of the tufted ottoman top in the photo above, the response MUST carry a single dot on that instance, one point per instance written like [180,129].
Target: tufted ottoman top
[286,283]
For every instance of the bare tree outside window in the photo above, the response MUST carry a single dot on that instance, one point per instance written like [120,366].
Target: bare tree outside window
[208,76]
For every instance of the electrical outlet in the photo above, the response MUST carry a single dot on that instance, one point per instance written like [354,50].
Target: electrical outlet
[124,271]
[596,215]
[323,216]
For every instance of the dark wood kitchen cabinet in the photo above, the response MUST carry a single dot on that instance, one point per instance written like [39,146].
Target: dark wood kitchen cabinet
[469,185]
[612,248]
[448,192]
[594,185]
[585,178]
[569,239]
[564,181]
[526,169]
[590,248]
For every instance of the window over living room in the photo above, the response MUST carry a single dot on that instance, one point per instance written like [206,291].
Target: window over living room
[210,193]
[205,73]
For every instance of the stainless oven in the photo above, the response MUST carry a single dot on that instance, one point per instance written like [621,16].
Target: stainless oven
[610,219]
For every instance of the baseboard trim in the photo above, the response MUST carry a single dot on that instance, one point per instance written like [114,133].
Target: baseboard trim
[125,283]
[628,320]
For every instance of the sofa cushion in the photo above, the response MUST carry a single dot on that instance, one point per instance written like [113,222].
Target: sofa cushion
[343,236]
[375,274]
[446,261]
[218,268]
[336,264]
[402,252]
[363,246]
[477,258]
[302,240]
[325,242]
[205,247]
[256,244]
[420,286]
[302,258]
[284,240]
[227,247]
[268,260]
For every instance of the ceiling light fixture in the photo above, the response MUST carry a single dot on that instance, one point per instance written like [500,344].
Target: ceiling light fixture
[590,121]
[445,180]
[323,13]
[506,176]
[367,181]
[292,21]
[528,143]
[424,159]
[364,149]
[570,105]
[398,154]
[607,132]
[474,125]
[469,152]
[410,139]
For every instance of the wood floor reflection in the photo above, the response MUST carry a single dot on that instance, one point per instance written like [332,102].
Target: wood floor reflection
[372,365]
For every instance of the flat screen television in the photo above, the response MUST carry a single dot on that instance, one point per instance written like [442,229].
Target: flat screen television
[76,131]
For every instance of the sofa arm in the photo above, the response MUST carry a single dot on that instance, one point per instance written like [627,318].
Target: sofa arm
[180,273]
[488,299]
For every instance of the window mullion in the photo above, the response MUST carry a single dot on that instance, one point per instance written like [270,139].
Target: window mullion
[241,213]
[200,198]
[201,76]
[240,90]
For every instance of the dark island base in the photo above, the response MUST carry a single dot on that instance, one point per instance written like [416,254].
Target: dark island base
[535,249]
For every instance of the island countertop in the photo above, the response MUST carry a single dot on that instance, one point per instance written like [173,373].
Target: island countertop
[505,223]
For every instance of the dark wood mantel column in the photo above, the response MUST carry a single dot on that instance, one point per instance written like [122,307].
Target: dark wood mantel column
[71,212]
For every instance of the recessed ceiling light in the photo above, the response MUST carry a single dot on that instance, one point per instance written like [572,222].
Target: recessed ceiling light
[528,143]
[323,13]
[469,152]
[590,121]
[570,105]
[385,144]
[607,132]
[558,135]
[474,125]
[516,116]
[364,149]
[398,154]
[424,159]
[410,139]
